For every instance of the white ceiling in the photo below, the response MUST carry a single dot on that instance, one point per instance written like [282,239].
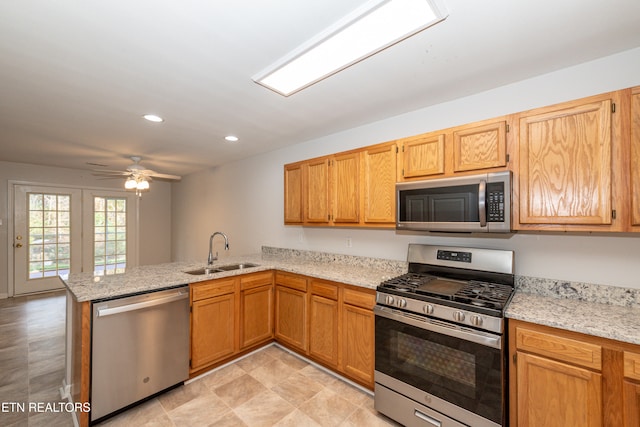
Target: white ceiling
[76,76]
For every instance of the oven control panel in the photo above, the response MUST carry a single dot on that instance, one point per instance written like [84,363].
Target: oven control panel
[454,256]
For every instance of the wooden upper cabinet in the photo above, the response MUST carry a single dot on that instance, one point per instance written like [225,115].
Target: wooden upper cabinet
[635,157]
[480,147]
[293,207]
[379,176]
[345,192]
[316,195]
[565,169]
[423,155]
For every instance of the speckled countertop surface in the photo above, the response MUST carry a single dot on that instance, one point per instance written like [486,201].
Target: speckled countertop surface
[358,271]
[603,311]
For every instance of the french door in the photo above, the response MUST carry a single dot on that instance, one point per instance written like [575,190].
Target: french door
[58,231]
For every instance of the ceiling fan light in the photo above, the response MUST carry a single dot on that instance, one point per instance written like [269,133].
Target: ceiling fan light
[143,185]
[153,118]
[130,183]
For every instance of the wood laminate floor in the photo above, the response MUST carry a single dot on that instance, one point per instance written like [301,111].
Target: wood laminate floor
[270,387]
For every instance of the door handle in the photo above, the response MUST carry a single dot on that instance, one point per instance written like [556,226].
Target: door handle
[18,245]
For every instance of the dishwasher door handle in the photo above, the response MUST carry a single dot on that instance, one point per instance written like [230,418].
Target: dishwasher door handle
[108,311]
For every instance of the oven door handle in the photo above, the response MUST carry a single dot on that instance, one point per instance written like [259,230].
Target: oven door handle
[478,337]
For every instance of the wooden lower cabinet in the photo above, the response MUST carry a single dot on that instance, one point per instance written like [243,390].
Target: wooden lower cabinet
[631,389]
[631,404]
[290,317]
[555,394]
[211,343]
[562,378]
[331,323]
[358,342]
[323,330]
[256,309]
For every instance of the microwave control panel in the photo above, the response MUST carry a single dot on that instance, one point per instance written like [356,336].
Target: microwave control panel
[495,202]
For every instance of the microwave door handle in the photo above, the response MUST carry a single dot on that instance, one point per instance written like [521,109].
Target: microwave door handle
[482,202]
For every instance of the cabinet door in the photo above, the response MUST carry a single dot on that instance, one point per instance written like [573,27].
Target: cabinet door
[357,343]
[423,156]
[346,188]
[631,404]
[323,330]
[290,317]
[379,166]
[480,147]
[293,194]
[635,157]
[565,165]
[212,330]
[256,316]
[317,191]
[554,394]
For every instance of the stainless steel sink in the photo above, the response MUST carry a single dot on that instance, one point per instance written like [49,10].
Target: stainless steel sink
[236,266]
[203,270]
[220,269]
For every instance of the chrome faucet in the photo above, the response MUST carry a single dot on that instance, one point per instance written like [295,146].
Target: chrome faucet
[211,258]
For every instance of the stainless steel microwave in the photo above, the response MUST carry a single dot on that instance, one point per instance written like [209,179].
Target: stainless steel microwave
[472,204]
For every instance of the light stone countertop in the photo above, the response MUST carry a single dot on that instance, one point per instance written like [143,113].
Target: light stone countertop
[602,311]
[343,269]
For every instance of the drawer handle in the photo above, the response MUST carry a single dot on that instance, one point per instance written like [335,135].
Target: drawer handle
[427,418]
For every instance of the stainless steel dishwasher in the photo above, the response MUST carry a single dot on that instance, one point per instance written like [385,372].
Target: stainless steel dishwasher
[140,346]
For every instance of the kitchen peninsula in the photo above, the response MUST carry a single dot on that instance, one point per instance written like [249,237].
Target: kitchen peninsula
[335,290]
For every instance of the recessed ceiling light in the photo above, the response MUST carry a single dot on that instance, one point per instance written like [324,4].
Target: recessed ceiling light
[231,138]
[153,118]
[369,29]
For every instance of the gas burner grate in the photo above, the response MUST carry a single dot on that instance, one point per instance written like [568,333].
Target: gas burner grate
[406,283]
[484,294]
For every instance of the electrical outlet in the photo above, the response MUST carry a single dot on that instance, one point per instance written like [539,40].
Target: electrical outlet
[349,243]
[300,237]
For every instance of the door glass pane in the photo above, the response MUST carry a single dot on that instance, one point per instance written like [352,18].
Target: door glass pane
[49,230]
[110,235]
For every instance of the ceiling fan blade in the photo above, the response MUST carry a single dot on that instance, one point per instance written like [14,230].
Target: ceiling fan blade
[165,176]
[112,172]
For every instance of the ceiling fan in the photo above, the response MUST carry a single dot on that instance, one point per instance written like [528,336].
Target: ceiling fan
[137,176]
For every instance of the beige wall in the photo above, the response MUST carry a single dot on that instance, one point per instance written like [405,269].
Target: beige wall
[245,199]
[155,210]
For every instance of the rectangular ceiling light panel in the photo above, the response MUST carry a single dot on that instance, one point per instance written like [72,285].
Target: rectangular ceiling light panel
[369,29]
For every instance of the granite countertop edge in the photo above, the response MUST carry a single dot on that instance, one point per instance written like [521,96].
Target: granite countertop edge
[142,279]
[588,310]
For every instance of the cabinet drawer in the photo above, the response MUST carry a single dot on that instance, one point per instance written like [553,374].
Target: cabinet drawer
[559,348]
[256,279]
[292,281]
[212,288]
[359,298]
[632,365]
[325,289]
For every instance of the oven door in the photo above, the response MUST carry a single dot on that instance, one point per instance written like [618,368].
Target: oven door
[452,369]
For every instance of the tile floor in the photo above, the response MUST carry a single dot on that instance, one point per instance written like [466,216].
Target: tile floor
[270,387]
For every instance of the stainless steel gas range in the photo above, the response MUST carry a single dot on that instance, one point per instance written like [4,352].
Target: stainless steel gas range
[440,353]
